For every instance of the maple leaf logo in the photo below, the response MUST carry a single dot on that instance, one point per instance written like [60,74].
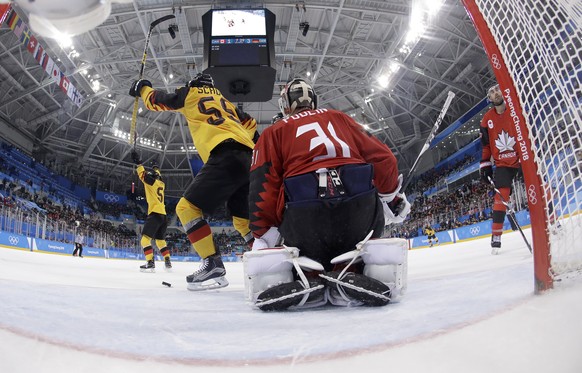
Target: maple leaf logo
[505,142]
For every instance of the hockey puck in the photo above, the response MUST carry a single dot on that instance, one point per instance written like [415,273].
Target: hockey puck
[166,284]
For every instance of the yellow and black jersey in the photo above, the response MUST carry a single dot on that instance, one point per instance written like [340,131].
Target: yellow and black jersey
[429,231]
[211,118]
[154,190]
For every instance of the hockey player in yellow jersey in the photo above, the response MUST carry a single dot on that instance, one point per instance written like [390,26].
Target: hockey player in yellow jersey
[224,137]
[156,222]
[430,232]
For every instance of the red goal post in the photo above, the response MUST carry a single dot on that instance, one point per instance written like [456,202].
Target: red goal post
[534,48]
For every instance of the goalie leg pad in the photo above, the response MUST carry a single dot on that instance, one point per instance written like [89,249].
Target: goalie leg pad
[293,294]
[386,260]
[266,268]
[356,289]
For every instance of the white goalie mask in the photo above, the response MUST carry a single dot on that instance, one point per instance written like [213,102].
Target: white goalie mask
[295,95]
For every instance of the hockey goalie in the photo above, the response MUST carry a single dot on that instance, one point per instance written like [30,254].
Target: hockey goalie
[324,188]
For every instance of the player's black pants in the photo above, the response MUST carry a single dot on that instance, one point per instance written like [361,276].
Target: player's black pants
[223,178]
[323,228]
[155,226]
[78,250]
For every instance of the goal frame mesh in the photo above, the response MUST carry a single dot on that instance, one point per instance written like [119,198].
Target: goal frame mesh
[502,42]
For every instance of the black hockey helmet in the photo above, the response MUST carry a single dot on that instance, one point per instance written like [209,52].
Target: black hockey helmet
[201,80]
[297,94]
[155,166]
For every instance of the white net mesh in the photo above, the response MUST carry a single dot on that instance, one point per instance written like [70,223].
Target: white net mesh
[541,44]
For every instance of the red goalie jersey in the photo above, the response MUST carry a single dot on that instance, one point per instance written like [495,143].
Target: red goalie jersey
[306,142]
[498,139]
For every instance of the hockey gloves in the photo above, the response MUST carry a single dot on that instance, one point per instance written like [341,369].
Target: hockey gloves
[135,157]
[486,171]
[136,87]
[396,206]
[396,210]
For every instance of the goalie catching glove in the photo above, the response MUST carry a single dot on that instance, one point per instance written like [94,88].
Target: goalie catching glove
[396,206]
[135,89]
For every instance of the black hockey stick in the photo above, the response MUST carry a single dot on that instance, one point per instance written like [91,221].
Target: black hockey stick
[431,136]
[510,214]
[132,135]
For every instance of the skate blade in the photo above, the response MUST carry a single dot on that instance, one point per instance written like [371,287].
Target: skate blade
[147,270]
[168,269]
[214,283]
[495,251]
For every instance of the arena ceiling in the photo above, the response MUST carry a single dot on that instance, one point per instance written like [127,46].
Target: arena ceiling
[348,46]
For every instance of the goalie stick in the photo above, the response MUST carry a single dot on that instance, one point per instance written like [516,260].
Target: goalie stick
[510,214]
[431,136]
[132,135]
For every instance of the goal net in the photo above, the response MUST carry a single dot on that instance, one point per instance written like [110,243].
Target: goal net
[535,50]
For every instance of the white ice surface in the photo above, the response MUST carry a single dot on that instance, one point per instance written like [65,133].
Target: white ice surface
[465,311]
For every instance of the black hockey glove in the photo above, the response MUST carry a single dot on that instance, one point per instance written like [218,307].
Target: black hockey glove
[136,87]
[486,171]
[135,157]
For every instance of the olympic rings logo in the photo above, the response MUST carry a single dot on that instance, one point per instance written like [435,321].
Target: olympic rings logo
[531,194]
[496,62]
[111,198]
[475,231]
[13,240]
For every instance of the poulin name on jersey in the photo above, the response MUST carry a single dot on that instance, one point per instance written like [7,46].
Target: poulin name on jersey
[305,113]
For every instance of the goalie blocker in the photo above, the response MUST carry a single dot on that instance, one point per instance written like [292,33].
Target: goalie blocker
[279,279]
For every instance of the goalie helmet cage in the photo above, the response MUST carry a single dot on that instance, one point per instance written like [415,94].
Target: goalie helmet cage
[534,48]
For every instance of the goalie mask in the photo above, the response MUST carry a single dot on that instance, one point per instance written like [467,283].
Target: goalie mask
[297,94]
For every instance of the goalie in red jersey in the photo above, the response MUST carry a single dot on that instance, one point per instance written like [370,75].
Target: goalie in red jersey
[322,184]
[499,149]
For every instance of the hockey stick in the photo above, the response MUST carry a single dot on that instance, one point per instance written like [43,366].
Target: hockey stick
[431,136]
[132,135]
[511,214]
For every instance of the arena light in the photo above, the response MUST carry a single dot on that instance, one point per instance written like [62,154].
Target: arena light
[64,40]
[432,6]
[383,80]
[96,85]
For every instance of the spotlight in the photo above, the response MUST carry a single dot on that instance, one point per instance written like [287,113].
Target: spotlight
[305,27]
[172,30]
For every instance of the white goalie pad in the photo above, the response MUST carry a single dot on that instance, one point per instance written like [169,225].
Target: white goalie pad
[386,260]
[266,268]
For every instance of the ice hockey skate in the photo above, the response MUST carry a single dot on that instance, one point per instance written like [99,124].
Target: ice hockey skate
[290,294]
[168,264]
[358,287]
[150,266]
[495,245]
[210,275]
